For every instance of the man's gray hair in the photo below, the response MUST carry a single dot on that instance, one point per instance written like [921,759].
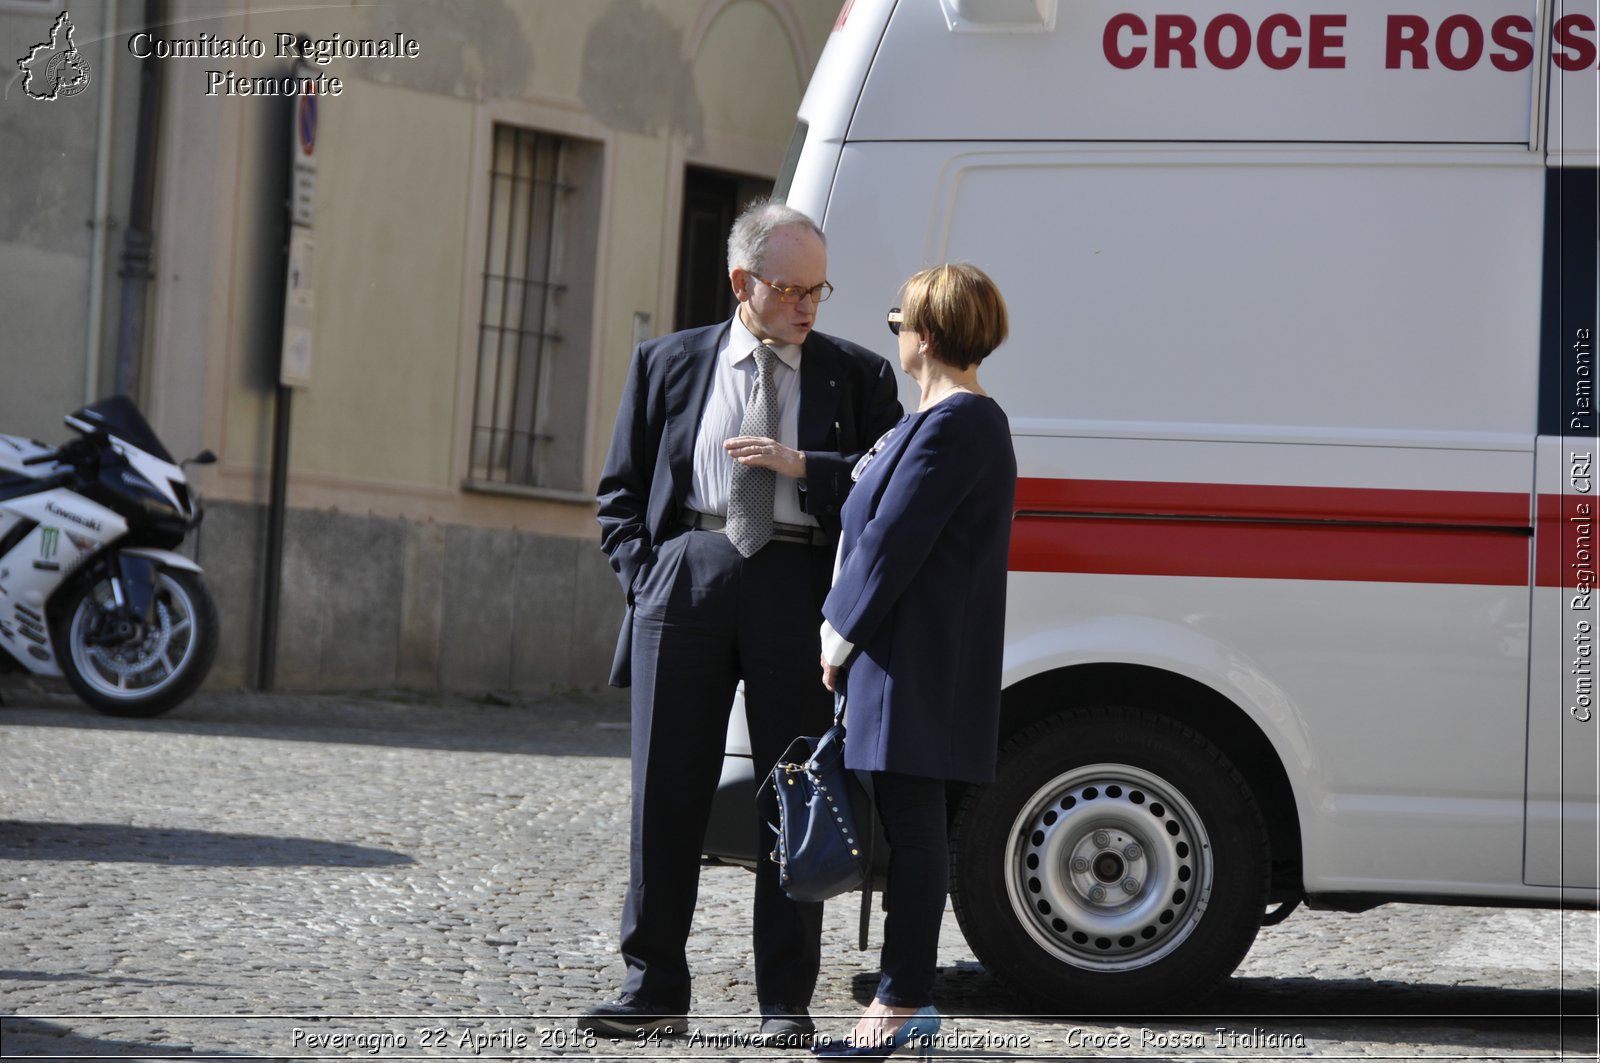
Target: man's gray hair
[747,240]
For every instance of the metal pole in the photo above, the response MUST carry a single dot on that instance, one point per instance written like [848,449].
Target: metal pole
[101,221]
[267,670]
[278,502]
[138,238]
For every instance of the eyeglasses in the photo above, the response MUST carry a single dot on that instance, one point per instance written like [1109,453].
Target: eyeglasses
[895,320]
[792,293]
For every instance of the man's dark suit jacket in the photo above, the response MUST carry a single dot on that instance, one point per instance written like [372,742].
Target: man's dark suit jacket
[848,398]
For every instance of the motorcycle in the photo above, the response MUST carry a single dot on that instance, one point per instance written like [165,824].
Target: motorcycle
[91,587]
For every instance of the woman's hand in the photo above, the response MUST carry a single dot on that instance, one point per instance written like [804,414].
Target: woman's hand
[767,454]
[830,675]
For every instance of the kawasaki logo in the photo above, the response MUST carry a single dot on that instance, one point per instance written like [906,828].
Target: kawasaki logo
[82,522]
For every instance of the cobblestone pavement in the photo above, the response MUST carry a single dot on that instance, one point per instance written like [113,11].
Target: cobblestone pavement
[393,876]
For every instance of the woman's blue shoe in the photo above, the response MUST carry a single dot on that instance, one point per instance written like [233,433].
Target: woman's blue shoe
[918,1031]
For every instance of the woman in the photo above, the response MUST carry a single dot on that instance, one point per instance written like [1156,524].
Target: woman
[917,614]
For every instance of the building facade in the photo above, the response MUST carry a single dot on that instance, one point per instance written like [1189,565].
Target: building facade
[508,195]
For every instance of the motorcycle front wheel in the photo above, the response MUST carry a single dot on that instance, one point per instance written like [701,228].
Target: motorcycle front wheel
[145,668]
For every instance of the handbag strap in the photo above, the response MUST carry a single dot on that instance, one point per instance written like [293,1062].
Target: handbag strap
[867,828]
[767,784]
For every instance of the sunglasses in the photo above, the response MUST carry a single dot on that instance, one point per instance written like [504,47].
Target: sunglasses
[895,320]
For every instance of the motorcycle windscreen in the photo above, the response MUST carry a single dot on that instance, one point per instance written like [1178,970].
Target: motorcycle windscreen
[121,418]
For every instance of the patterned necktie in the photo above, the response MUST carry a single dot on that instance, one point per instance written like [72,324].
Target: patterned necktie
[750,488]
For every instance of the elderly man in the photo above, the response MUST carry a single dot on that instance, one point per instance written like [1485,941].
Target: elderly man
[719,509]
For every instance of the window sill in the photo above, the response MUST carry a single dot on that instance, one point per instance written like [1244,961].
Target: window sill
[543,494]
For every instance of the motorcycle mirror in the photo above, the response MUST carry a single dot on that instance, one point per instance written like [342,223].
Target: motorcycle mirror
[205,457]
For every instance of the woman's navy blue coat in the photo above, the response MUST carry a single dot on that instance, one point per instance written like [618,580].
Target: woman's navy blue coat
[921,591]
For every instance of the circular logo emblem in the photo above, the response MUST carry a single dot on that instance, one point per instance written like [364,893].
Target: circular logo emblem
[67,74]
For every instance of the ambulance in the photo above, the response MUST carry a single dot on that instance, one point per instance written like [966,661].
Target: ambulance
[1300,381]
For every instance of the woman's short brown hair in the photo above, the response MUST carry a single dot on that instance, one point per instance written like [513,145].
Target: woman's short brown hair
[958,310]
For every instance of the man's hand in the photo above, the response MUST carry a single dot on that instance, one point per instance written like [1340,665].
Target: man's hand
[767,454]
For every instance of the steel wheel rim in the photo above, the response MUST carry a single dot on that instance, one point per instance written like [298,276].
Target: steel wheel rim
[136,671]
[1108,867]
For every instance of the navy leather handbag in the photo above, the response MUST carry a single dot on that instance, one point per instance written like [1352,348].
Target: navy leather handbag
[818,850]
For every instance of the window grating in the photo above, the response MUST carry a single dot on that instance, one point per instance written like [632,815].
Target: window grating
[515,412]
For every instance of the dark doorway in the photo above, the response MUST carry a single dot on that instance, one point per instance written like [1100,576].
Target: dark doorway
[711,200]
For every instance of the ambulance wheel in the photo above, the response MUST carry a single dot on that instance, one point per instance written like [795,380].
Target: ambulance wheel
[1119,862]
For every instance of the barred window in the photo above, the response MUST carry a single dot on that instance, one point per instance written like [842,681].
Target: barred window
[533,349]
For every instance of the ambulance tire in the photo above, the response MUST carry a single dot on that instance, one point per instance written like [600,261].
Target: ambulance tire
[1118,863]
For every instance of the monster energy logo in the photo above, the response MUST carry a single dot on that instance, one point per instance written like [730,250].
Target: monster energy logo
[49,542]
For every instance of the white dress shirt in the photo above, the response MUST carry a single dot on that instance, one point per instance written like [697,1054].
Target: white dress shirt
[732,381]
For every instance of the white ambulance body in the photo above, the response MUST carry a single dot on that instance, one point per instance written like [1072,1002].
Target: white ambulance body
[1301,389]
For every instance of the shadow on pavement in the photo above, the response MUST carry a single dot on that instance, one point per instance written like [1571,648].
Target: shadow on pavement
[119,843]
[1321,1009]
[572,723]
[34,1037]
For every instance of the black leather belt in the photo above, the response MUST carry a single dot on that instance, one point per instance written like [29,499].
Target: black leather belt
[809,534]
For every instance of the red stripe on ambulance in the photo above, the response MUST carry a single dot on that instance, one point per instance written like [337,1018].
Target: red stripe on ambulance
[1254,531]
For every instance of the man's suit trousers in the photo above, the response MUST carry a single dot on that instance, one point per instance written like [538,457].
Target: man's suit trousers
[704,618]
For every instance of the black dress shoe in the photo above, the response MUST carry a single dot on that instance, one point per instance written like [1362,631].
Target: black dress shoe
[628,1016]
[785,1026]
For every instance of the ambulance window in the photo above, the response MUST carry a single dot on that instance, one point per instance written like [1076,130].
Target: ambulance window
[791,159]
